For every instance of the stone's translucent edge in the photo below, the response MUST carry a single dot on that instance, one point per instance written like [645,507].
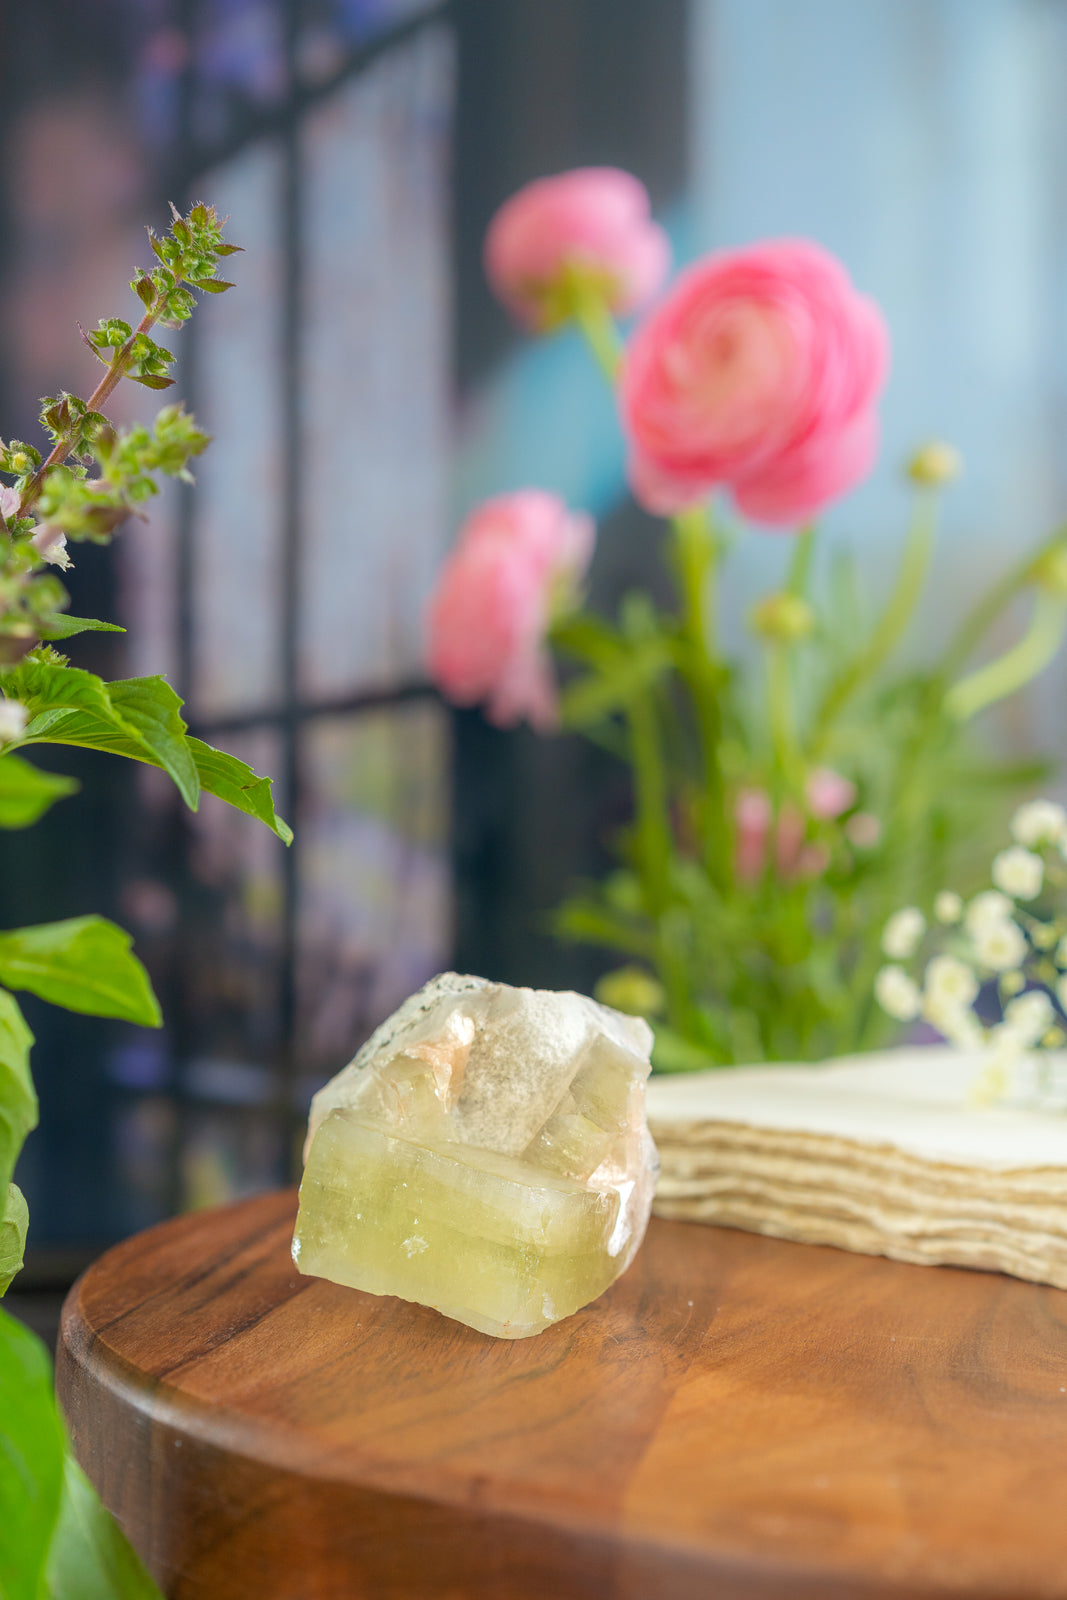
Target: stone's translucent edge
[486,1154]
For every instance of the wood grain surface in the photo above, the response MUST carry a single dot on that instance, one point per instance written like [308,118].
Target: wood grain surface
[736,1417]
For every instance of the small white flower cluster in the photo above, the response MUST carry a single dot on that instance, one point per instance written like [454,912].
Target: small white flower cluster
[996,940]
[13,716]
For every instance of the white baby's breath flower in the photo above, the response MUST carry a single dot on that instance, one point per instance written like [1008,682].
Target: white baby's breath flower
[1000,946]
[992,1082]
[1039,822]
[948,907]
[954,1021]
[902,933]
[985,909]
[950,980]
[13,717]
[1026,1018]
[897,994]
[1018,872]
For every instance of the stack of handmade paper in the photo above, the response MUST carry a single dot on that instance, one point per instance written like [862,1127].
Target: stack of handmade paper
[885,1154]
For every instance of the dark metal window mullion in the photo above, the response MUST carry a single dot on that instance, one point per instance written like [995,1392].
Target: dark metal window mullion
[290,220]
[291,717]
[175,1003]
[344,705]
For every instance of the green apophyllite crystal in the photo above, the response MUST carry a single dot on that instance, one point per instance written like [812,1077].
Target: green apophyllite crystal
[486,1154]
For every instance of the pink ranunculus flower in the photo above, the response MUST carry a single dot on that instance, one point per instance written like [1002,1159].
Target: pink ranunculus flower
[760,371]
[594,220]
[517,558]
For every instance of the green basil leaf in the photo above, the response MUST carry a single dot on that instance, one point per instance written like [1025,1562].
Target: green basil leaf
[134,717]
[14,1220]
[26,792]
[18,1101]
[235,782]
[137,718]
[82,963]
[151,707]
[61,626]
[90,1557]
[31,1461]
[45,686]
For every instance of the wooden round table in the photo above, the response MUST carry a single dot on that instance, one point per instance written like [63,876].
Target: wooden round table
[737,1417]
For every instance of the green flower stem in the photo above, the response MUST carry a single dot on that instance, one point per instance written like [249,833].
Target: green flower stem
[893,621]
[116,371]
[654,842]
[655,848]
[1017,666]
[977,623]
[596,323]
[788,773]
[696,557]
[788,776]
[796,582]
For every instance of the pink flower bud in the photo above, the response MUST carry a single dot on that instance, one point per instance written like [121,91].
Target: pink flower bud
[752,817]
[759,371]
[593,222]
[829,794]
[517,558]
[9,501]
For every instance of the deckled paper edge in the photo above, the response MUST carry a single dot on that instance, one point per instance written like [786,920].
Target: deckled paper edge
[914,1100]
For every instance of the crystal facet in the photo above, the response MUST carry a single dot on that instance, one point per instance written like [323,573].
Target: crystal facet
[486,1153]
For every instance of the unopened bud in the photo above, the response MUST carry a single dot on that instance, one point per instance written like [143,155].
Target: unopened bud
[784,618]
[935,464]
[1050,573]
[631,989]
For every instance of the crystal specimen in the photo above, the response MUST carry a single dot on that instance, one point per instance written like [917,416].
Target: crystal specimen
[486,1153]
